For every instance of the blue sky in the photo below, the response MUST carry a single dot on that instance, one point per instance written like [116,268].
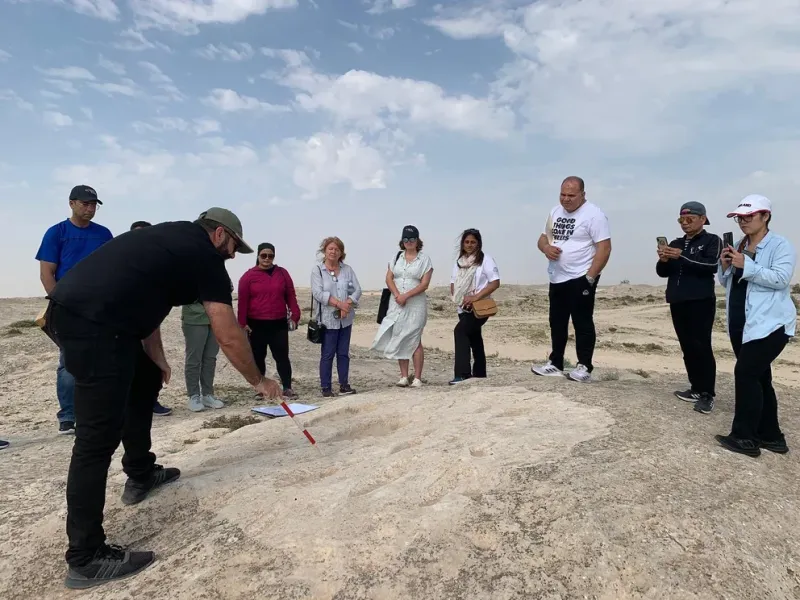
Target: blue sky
[313,118]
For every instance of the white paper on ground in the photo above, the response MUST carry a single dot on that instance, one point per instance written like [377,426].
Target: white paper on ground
[278,411]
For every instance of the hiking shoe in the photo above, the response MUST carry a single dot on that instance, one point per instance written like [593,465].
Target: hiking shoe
[66,428]
[403,382]
[210,401]
[345,390]
[746,447]
[547,370]
[4,444]
[705,404]
[778,446]
[328,393]
[688,395]
[289,394]
[196,404]
[110,563]
[580,374]
[136,491]
[416,383]
[161,411]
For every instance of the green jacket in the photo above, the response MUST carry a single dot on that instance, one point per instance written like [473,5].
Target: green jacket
[194,314]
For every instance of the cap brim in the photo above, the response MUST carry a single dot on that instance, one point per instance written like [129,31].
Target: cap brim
[744,214]
[243,247]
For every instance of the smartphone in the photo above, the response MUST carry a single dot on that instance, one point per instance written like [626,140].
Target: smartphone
[662,241]
[727,239]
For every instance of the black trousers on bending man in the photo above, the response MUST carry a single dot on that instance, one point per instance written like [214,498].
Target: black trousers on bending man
[573,299]
[272,335]
[116,384]
[694,321]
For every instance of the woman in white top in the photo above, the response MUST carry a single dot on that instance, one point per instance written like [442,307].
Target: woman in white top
[475,277]
[400,334]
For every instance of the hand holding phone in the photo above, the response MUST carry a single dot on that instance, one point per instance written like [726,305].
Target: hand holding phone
[727,239]
[662,241]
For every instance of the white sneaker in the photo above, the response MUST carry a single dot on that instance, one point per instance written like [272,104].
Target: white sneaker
[547,370]
[196,404]
[581,374]
[416,383]
[211,402]
[403,382]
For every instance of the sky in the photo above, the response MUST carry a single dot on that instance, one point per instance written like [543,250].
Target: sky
[310,118]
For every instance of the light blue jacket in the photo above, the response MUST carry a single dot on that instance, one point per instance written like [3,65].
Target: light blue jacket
[768,304]
[323,287]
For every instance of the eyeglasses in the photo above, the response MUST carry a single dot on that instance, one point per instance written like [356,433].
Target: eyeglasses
[266,256]
[688,219]
[409,240]
[744,218]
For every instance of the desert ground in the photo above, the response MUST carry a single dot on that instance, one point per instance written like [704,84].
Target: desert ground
[509,487]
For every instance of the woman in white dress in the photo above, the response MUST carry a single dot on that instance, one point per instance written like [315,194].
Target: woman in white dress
[400,334]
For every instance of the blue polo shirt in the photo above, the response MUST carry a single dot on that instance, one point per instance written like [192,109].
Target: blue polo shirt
[65,244]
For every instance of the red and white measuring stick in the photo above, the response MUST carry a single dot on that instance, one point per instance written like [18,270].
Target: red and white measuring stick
[305,432]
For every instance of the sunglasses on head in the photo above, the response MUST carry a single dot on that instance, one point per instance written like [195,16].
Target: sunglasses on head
[266,255]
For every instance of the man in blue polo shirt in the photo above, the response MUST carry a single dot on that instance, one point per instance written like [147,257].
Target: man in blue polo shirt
[63,246]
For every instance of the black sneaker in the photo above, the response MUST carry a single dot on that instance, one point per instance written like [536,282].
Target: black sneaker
[3,444]
[327,393]
[110,563]
[66,428]
[778,446]
[747,447]
[345,390]
[705,404]
[456,380]
[136,491]
[688,396]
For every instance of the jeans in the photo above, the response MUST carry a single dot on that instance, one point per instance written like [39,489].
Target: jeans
[336,342]
[65,390]
[693,322]
[756,414]
[272,334]
[469,338]
[116,384]
[573,298]
[201,359]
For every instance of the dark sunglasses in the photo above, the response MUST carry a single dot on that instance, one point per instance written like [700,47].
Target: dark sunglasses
[265,255]
[407,240]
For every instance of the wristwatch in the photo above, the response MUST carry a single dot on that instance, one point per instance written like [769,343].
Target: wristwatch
[591,280]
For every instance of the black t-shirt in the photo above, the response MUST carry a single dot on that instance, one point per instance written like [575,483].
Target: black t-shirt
[131,283]
[736,302]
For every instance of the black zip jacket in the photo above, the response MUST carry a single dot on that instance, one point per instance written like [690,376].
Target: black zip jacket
[691,277]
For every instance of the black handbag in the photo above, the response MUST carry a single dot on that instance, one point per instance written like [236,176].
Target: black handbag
[386,293]
[316,330]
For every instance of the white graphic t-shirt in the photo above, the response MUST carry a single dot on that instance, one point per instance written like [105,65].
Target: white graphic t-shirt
[576,233]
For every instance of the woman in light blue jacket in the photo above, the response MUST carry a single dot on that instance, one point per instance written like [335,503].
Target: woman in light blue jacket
[336,292]
[757,274]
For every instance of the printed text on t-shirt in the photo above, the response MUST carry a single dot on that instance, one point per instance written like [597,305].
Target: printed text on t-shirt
[563,229]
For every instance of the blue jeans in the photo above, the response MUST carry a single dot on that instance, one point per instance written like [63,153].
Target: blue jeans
[65,390]
[336,342]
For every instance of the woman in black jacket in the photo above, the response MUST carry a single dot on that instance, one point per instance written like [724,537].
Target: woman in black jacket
[690,263]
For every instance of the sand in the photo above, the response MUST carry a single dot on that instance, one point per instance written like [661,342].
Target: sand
[510,487]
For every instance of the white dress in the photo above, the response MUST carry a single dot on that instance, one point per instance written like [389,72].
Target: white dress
[400,332]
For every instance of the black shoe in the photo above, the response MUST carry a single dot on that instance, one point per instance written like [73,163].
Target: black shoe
[136,491]
[66,428]
[345,390]
[778,446]
[748,447]
[327,393]
[110,563]
[705,404]
[688,396]
[457,380]
[3,444]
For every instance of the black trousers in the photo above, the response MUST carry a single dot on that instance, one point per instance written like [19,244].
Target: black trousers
[116,384]
[272,334]
[469,339]
[573,298]
[756,414]
[693,322]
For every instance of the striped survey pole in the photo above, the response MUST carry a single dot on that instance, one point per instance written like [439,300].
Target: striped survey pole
[305,432]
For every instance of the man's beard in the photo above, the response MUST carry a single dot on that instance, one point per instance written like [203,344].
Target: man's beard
[223,250]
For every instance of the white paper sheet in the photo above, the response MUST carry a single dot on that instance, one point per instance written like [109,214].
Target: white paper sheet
[277,411]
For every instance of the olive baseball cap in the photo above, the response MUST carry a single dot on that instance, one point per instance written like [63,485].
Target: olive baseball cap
[231,222]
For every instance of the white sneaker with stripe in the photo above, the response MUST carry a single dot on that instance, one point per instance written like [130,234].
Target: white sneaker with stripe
[547,370]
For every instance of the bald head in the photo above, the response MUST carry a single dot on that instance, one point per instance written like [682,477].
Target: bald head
[574,180]
[572,194]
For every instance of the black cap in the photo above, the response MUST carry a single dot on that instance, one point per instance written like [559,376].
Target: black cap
[695,208]
[84,193]
[410,232]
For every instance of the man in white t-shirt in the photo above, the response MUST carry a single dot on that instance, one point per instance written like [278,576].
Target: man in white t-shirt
[577,243]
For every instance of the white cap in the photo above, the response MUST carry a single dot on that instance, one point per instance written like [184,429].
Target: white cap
[754,203]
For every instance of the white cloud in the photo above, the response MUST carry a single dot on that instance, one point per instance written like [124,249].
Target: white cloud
[634,76]
[87,112]
[355,47]
[162,81]
[204,126]
[51,95]
[381,6]
[126,88]
[379,33]
[197,126]
[56,119]
[110,65]
[4,56]
[221,154]
[325,160]
[235,53]
[348,24]
[185,16]
[12,96]
[226,100]
[70,73]
[134,40]
[64,86]
[102,9]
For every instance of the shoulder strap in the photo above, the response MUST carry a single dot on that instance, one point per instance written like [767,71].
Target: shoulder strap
[319,312]
[396,258]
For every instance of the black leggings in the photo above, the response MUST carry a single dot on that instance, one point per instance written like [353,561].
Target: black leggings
[468,338]
[273,334]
